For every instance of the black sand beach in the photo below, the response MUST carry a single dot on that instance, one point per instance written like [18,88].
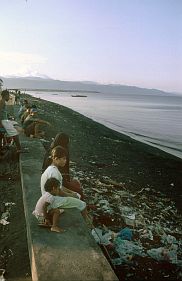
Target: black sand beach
[107,164]
[105,152]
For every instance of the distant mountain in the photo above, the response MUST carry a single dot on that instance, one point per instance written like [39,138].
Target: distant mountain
[37,83]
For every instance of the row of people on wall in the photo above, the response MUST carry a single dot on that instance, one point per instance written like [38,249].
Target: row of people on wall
[59,191]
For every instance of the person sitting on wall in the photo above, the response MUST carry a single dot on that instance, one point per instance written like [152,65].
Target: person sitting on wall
[7,124]
[73,184]
[32,125]
[23,107]
[46,213]
[25,114]
[58,155]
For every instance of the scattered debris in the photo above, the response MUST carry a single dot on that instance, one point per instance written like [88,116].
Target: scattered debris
[101,236]
[2,272]
[6,213]
[142,225]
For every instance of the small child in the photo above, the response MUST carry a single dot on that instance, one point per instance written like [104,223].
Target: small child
[49,204]
[66,197]
[44,211]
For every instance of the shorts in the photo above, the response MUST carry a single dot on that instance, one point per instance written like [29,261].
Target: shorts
[68,202]
[10,129]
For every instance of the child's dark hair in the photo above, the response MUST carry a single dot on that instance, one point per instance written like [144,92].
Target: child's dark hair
[50,183]
[58,152]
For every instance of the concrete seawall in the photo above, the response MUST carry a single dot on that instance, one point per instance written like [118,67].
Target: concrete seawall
[72,255]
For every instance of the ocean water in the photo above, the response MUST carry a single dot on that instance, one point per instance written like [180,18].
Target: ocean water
[153,119]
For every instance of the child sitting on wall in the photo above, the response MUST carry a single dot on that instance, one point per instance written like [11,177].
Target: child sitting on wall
[50,204]
[45,211]
[67,198]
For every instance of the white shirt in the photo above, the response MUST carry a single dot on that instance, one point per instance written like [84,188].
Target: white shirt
[50,172]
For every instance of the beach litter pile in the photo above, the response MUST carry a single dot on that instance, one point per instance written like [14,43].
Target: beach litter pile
[5,212]
[2,272]
[5,253]
[14,259]
[141,231]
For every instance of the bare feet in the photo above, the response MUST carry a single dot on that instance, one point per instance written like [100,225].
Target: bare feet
[57,229]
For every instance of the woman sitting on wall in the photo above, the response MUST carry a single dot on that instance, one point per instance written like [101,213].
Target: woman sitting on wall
[62,139]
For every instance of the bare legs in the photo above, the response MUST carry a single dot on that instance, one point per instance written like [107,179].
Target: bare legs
[55,215]
[17,142]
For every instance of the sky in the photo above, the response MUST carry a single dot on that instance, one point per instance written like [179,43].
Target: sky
[127,42]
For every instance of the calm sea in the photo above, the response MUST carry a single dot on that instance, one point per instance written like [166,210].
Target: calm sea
[153,119]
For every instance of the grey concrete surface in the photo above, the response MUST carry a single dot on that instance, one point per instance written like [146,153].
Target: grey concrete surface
[72,255]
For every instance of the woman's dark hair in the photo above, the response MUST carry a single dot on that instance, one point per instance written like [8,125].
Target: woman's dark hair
[4,93]
[50,183]
[61,139]
[58,152]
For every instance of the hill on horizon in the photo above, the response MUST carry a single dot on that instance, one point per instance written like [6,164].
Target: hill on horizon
[37,83]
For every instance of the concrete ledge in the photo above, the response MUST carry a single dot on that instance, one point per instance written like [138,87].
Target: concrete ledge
[73,255]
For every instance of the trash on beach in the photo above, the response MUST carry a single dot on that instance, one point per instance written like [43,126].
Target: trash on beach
[6,207]
[99,165]
[4,222]
[101,238]
[5,256]
[127,250]
[112,182]
[146,234]
[164,254]
[125,234]
[105,206]
[97,190]
[9,204]
[2,272]
[128,215]
[152,217]
[5,215]
[168,239]
[158,229]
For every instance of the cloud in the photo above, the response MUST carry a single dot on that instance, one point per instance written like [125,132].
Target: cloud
[23,58]
[25,72]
